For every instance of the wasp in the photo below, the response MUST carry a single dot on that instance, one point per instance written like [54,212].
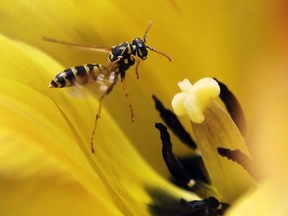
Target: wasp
[121,58]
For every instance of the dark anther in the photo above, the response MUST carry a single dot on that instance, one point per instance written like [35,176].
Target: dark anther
[206,207]
[232,106]
[178,171]
[175,167]
[194,165]
[240,158]
[173,123]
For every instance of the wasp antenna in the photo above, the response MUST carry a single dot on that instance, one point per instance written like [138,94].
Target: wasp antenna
[159,52]
[147,29]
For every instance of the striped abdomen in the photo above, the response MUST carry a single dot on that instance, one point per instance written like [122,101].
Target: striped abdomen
[83,74]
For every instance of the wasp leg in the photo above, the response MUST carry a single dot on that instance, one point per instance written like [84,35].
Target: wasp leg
[128,99]
[137,59]
[99,113]
[137,65]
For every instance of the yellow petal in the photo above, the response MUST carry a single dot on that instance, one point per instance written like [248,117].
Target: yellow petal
[34,183]
[269,140]
[35,142]
[268,199]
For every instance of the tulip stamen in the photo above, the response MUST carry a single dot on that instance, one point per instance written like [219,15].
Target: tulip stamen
[172,121]
[194,99]
[177,169]
[173,164]
[233,106]
[208,206]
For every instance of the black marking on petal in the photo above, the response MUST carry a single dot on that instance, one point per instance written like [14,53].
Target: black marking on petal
[173,123]
[240,158]
[206,207]
[233,107]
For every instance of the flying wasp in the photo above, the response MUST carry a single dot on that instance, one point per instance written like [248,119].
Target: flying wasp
[121,58]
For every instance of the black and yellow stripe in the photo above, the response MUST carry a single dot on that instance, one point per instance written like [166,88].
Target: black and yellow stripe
[81,75]
[122,50]
[125,52]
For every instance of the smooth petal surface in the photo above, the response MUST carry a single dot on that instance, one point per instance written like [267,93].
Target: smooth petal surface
[36,145]
[269,136]
[265,201]
[34,183]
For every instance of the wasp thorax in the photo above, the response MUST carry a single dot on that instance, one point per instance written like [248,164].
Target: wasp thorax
[141,49]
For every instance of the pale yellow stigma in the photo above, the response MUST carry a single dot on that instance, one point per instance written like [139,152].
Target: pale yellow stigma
[194,99]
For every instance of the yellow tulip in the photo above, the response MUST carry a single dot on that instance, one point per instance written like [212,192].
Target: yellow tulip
[44,143]
[47,167]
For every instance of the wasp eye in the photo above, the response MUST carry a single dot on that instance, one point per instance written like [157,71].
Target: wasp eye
[141,49]
[140,44]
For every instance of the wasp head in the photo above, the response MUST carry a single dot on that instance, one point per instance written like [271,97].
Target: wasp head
[141,49]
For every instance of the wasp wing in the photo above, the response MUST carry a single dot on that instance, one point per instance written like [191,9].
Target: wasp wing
[89,47]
